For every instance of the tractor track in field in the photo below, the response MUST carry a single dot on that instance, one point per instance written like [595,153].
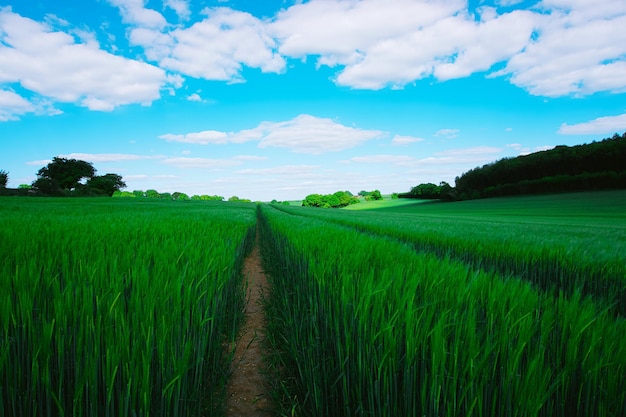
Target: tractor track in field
[247,391]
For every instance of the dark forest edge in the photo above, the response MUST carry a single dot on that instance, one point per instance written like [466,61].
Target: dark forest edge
[587,167]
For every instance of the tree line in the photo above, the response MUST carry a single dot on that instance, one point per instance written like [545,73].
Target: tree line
[178,196]
[64,177]
[430,191]
[588,167]
[67,177]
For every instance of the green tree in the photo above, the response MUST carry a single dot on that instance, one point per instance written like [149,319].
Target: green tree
[180,196]
[106,184]
[63,175]
[313,200]
[374,195]
[427,190]
[152,194]
[4,179]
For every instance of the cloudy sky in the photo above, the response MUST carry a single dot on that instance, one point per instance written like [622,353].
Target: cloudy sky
[278,99]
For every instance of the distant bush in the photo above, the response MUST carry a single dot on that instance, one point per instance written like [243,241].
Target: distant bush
[336,200]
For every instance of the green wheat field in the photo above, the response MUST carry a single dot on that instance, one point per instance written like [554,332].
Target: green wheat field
[496,307]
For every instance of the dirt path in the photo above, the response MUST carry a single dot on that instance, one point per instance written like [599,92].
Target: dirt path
[246,390]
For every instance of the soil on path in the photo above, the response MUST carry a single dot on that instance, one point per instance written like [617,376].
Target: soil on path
[246,390]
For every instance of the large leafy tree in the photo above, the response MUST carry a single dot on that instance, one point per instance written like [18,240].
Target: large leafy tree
[75,177]
[63,175]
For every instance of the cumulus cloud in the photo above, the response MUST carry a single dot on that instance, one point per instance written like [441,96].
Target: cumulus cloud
[215,48]
[555,48]
[607,125]
[51,64]
[381,43]
[577,50]
[302,134]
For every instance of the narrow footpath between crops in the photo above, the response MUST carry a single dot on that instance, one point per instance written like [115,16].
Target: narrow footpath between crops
[246,390]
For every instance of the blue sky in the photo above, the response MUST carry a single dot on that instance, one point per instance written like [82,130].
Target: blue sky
[280,99]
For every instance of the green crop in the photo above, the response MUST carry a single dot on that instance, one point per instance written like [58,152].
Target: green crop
[112,308]
[365,325]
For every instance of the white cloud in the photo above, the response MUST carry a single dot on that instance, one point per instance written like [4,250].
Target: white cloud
[194,97]
[134,12]
[201,138]
[449,133]
[467,157]
[204,163]
[39,162]
[607,125]
[480,45]
[404,140]
[51,64]
[382,43]
[556,48]
[525,150]
[579,49]
[215,48]
[250,158]
[136,177]
[340,32]
[476,150]
[313,135]
[507,3]
[289,171]
[559,47]
[13,105]
[384,159]
[108,157]
[302,134]
[181,7]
